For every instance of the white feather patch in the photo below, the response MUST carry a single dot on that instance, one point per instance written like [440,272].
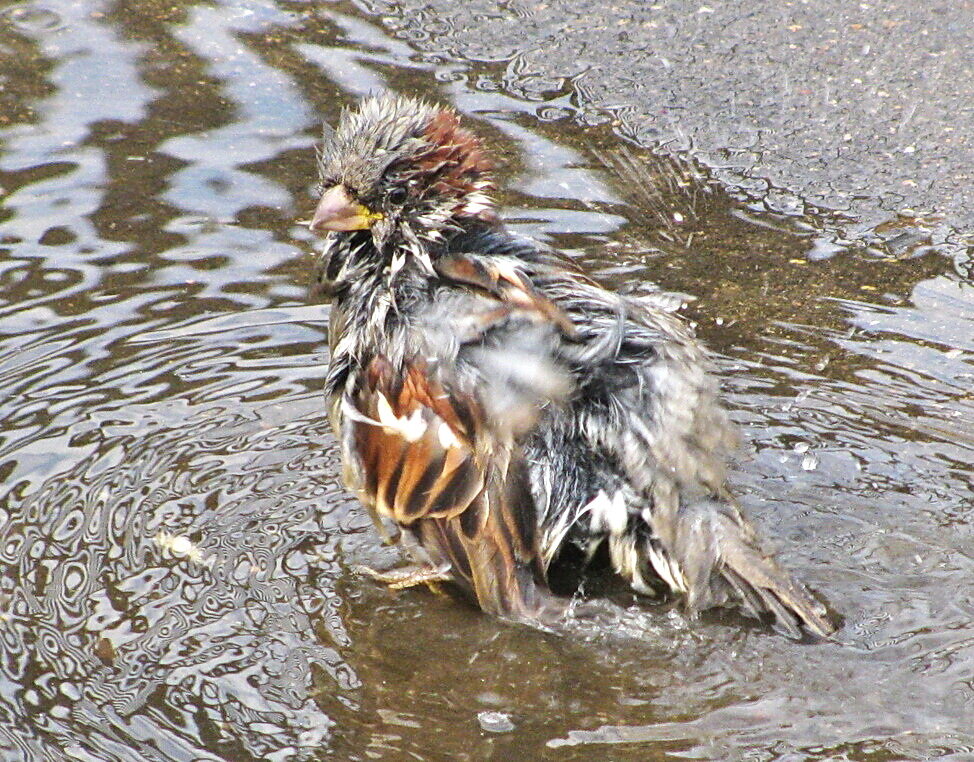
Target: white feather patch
[668,570]
[608,514]
[410,428]
[447,438]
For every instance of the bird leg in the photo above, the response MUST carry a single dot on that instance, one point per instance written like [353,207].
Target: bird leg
[410,576]
[387,537]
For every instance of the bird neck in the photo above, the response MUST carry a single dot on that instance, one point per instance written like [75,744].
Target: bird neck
[363,277]
[369,313]
[377,292]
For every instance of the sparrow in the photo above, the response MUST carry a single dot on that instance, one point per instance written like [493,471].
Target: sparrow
[505,410]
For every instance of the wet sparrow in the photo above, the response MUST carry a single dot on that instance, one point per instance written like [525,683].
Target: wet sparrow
[504,409]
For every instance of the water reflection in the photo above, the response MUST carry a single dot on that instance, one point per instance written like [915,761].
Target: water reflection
[175,548]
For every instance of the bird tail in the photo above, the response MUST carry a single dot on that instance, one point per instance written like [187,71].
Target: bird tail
[708,552]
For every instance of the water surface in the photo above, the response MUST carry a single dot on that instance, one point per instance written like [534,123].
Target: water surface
[176,553]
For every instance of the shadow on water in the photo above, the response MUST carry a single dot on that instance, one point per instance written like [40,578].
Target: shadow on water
[175,547]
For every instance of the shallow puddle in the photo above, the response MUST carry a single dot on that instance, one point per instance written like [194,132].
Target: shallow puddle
[176,551]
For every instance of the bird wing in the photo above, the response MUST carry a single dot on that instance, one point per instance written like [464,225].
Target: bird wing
[669,446]
[432,434]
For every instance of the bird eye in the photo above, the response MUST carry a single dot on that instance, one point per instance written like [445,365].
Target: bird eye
[397,195]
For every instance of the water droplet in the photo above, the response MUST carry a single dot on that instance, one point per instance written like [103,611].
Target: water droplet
[32,19]
[495,722]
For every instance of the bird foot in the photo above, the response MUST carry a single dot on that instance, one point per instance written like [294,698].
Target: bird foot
[409,576]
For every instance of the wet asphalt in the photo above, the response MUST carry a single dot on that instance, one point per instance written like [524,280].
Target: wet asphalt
[864,109]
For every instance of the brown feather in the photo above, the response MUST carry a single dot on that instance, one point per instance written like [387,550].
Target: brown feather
[455,165]
[460,497]
[505,284]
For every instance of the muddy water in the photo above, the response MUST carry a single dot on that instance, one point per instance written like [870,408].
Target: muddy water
[175,552]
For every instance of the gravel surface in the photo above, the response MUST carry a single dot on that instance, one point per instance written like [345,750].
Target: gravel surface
[860,108]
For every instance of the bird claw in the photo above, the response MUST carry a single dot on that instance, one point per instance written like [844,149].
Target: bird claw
[409,576]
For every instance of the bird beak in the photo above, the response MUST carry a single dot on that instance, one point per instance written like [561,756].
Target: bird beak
[336,211]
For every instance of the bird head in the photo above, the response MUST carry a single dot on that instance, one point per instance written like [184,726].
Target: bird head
[404,170]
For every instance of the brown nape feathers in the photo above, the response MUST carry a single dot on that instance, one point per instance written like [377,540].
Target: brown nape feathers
[506,411]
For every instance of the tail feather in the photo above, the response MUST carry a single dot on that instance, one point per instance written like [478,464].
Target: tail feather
[710,555]
[745,565]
